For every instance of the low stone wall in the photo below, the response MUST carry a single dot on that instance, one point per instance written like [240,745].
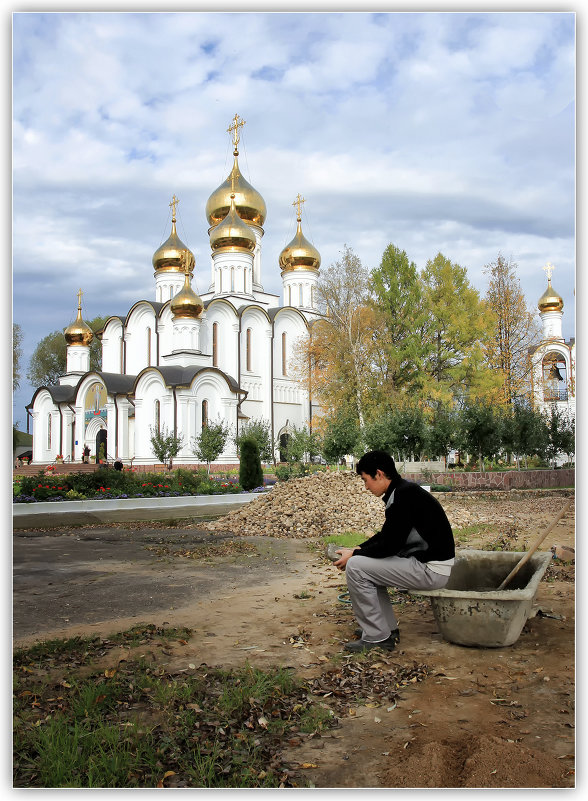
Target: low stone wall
[507,480]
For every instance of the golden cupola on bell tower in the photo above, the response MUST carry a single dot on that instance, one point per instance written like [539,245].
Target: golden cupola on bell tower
[78,336]
[300,262]
[551,309]
[169,260]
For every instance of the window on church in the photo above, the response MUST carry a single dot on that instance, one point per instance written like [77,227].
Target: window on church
[232,279]
[49,426]
[555,383]
[312,298]
[204,413]
[157,416]
[122,354]
[148,347]
[248,345]
[284,354]
[289,296]
[215,344]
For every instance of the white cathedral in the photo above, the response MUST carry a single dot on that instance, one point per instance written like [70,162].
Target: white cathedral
[180,361]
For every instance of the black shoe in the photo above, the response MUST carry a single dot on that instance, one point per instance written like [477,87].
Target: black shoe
[394,634]
[357,646]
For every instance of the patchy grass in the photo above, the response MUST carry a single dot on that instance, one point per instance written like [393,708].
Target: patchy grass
[473,532]
[348,539]
[138,725]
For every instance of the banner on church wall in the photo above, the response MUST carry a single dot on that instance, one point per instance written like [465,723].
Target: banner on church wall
[95,403]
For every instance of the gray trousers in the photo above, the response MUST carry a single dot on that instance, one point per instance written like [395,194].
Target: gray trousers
[367,582]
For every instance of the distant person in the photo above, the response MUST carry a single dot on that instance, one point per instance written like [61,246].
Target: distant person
[414,550]
[86,456]
[118,465]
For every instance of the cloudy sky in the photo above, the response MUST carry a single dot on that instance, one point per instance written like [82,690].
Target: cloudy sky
[448,132]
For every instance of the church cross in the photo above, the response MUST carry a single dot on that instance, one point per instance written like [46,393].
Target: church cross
[80,293]
[298,203]
[173,205]
[549,268]
[234,129]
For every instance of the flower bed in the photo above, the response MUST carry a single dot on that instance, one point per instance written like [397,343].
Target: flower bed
[116,484]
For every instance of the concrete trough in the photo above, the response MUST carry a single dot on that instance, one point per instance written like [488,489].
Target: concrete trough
[470,611]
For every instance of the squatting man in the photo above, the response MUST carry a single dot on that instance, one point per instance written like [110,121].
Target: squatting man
[414,550]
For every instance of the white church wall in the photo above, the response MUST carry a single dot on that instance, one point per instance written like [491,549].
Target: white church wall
[150,389]
[45,428]
[165,331]
[225,316]
[112,347]
[221,404]
[140,339]
[256,380]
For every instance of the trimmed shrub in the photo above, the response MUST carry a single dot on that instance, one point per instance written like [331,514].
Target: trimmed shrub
[250,471]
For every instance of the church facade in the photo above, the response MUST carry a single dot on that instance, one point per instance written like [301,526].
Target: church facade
[553,359]
[181,361]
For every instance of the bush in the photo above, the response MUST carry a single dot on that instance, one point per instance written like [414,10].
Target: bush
[250,472]
[283,472]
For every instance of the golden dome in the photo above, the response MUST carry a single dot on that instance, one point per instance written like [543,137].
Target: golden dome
[550,300]
[232,233]
[249,203]
[299,254]
[79,332]
[186,303]
[170,256]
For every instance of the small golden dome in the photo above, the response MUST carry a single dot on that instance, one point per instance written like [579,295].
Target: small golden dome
[550,300]
[171,256]
[299,254]
[186,303]
[232,233]
[79,332]
[249,203]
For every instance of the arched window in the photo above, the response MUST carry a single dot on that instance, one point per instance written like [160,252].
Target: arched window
[555,383]
[312,298]
[215,344]
[289,295]
[284,372]
[232,279]
[148,347]
[122,354]
[157,416]
[248,340]
[300,294]
[204,413]
[49,426]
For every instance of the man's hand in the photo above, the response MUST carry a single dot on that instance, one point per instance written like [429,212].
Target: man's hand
[346,553]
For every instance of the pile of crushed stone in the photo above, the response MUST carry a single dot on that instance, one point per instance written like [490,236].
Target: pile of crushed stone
[316,506]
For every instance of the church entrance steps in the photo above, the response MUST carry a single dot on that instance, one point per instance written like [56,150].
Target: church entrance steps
[63,513]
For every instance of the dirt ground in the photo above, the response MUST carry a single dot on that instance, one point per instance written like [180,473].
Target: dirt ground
[487,718]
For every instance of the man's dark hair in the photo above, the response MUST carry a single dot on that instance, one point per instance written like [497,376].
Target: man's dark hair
[373,461]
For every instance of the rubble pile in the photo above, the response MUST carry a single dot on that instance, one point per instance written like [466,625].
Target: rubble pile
[316,506]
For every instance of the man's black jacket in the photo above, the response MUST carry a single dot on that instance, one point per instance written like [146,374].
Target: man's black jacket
[416,525]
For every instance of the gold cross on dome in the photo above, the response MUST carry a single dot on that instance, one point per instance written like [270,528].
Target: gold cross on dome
[173,205]
[234,129]
[298,203]
[549,268]
[80,293]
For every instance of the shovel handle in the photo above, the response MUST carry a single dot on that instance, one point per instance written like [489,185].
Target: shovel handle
[536,544]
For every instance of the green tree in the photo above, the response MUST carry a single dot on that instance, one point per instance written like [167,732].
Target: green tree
[481,430]
[560,432]
[442,433]
[301,442]
[16,354]
[514,332]
[524,432]
[48,361]
[412,425]
[211,442]
[250,470]
[342,437]
[342,344]
[399,306]
[458,325]
[259,430]
[165,445]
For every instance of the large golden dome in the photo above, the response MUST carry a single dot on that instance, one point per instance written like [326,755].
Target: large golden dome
[232,233]
[299,254]
[550,300]
[79,332]
[186,303]
[171,256]
[249,203]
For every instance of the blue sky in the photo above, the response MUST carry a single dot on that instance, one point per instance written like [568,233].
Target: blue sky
[448,132]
